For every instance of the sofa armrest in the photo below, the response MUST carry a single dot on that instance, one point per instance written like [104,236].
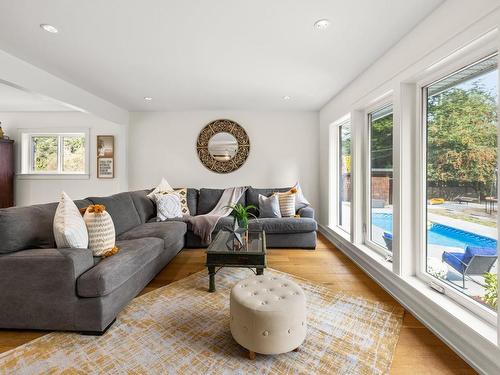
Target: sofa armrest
[307,211]
[37,269]
[38,287]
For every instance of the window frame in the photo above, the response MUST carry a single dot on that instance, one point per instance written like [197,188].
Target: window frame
[25,167]
[449,69]
[334,177]
[339,126]
[366,226]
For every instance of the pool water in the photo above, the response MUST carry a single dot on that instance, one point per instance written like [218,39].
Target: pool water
[439,234]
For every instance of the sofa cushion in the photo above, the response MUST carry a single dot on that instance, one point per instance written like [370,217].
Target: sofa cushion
[252,196]
[29,227]
[284,225]
[169,231]
[145,207]
[208,199]
[122,209]
[110,273]
[192,200]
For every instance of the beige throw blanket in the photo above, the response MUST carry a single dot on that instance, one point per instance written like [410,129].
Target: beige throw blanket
[204,225]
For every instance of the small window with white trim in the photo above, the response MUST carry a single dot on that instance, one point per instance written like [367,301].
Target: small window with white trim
[53,153]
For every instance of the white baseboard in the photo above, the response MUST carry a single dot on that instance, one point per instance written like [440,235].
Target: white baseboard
[479,351]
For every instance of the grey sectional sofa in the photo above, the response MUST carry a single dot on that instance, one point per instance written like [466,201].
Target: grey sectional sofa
[42,287]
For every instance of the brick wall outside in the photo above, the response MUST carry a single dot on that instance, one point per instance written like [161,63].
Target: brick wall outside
[380,188]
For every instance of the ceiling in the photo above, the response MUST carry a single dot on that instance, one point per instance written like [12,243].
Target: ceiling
[203,55]
[16,100]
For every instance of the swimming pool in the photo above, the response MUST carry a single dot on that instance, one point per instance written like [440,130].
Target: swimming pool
[440,234]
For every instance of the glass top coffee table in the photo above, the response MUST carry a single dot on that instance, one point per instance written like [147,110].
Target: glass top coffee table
[251,255]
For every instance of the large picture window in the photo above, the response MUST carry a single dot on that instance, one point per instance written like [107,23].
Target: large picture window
[345,177]
[461,180]
[380,126]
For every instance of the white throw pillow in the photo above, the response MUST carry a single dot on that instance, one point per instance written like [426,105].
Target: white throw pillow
[300,199]
[168,206]
[69,228]
[164,187]
[101,230]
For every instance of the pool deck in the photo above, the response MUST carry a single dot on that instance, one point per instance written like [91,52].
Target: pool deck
[435,251]
[475,228]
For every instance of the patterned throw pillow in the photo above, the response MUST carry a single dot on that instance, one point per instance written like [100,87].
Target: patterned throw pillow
[287,203]
[101,231]
[168,206]
[69,227]
[182,193]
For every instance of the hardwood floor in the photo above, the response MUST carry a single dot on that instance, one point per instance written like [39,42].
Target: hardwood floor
[418,351]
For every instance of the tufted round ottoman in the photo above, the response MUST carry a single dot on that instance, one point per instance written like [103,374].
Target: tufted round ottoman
[268,315]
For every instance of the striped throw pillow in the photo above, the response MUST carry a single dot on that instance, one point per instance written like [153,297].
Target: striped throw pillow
[69,227]
[101,231]
[287,204]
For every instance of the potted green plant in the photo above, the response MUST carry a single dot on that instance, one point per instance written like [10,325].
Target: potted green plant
[242,214]
[491,295]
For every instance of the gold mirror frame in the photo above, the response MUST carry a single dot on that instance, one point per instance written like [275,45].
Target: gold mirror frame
[223,126]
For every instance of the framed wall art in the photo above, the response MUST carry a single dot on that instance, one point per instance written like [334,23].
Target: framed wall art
[105,156]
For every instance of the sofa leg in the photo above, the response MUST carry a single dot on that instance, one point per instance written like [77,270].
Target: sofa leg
[98,333]
[251,355]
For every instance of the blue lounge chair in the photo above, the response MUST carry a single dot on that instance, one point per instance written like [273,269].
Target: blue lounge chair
[388,240]
[474,261]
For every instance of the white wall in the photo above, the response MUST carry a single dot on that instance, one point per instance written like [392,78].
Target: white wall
[284,149]
[31,191]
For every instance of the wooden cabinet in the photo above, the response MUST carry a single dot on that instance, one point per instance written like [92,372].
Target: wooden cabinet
[6,173]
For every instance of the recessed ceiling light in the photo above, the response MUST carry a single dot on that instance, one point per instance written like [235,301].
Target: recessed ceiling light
[287,97]
[148,98]
[49,28]
[322,24]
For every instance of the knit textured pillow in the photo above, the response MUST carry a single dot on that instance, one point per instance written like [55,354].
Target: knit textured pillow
[69,227]
[101,231]
[168,206]
[287,204]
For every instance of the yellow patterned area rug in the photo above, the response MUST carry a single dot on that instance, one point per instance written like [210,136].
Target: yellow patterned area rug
[183,329]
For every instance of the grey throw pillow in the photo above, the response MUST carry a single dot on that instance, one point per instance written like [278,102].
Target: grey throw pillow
[269,206]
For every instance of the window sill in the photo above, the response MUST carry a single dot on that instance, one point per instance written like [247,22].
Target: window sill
[366,250]
[69,176]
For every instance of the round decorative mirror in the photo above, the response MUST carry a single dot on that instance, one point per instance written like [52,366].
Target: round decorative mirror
[223,146]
